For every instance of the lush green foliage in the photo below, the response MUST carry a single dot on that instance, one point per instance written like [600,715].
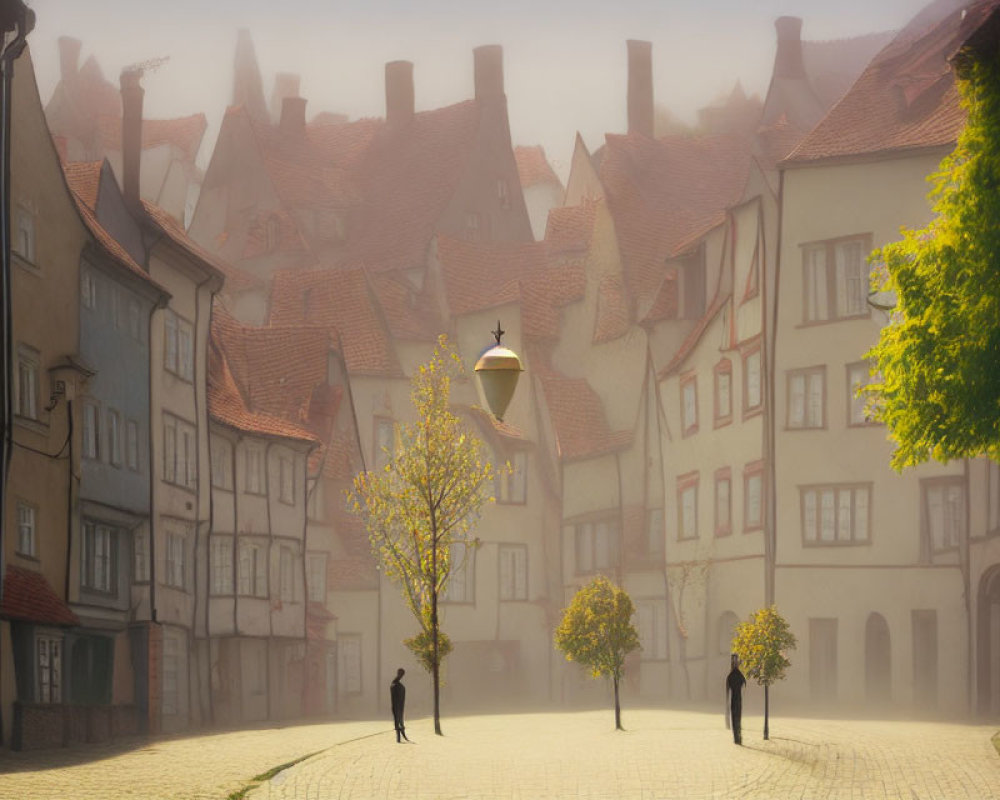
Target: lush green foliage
[426,499]
[761,643]
[939,358]
[597,630]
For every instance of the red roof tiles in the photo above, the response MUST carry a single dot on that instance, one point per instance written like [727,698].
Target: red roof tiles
[28,596]
[184,133]
[906,99]
[578,418]
[533,167]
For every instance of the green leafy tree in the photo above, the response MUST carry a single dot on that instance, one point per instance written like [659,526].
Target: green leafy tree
[597,632]
[424,502]
[761,643]
[939,357]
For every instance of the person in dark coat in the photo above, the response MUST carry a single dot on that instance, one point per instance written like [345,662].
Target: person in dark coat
[397,693]
[734,691]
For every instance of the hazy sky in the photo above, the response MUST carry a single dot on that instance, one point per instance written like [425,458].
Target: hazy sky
[564,59]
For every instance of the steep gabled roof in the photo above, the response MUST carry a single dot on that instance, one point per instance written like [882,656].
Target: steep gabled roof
[341,301]
[906,99]
[578,418]
[661,191]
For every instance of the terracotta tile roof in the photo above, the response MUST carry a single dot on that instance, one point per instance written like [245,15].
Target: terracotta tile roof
[569,228]
[533,167]
[184,133]
[661,191]
[277,224]
[694,336]
[832,66]
[577,414]
[341,301]
[665,305]
[906,98]
[612,310]
[490,424]
[28,596]
[279,371]
[176,233]
[410,314]
[481,275]
[83,180]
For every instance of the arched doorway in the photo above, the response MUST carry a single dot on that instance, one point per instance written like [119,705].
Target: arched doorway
[988,642]
[878,660]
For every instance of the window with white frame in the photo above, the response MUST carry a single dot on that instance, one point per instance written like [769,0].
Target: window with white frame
[26,516]
[596,546]
[140,556]
[98,565]
[511,487]
[806,398]
[316,575]
[752,397]
[286,574]
[171,675]
[461,586]
[178,345]
[349,666]
[222,463]
[49,658]
[689,405]
[944,512]
[858,375]
[132,445]
[222,565]
[252,570]
[28,361]
[180,452]
[650,619]
[513,572]
[723,391]
[254,480]
[114,437]
[175,559]
[835,279]
[24,234]
[91,431]
[992,497]
[385,442]
[687,507]
[753,496]
[723,502]
[286,479]
[836,515]
[88,289]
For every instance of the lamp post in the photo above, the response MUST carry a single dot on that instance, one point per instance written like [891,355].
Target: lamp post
[498,370]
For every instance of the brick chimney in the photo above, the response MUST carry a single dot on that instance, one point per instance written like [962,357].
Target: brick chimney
[488,60]
[788,58]
[398,92]
[640,87]
[132,94]
[286,84]
[69,58]
[293,116]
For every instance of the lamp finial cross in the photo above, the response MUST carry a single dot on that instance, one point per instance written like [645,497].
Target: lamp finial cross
[498,332]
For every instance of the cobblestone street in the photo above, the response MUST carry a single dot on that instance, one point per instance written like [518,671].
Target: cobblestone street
[663,754]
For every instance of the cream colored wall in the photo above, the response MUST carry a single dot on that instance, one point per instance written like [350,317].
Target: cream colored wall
[823,203]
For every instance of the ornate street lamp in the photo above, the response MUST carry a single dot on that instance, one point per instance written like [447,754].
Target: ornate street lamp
[498,370]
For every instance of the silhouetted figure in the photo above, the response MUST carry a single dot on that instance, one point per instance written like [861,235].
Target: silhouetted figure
[734,690]
[397,693]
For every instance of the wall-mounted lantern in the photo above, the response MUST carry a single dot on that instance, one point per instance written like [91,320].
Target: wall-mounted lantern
[498,370]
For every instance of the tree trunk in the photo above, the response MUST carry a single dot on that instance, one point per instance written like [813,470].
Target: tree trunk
[437,657]
[766,699]
[618,708]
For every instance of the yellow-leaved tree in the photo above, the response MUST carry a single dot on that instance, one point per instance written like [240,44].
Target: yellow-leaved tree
[424,502]
[761,643]
[597,631]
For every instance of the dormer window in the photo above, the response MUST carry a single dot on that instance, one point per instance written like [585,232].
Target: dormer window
[24,234]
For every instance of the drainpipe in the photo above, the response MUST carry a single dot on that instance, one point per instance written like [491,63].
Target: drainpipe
[770,456]
[21,20]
